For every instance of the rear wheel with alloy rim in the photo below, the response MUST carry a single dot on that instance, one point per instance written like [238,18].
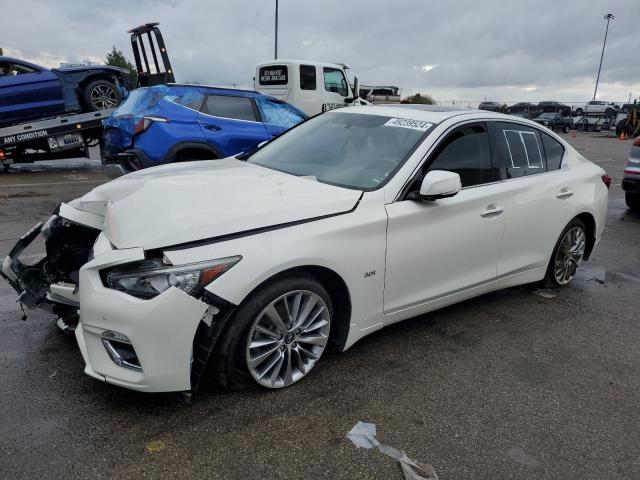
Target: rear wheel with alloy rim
[567,255]
[276,336]
[101,95]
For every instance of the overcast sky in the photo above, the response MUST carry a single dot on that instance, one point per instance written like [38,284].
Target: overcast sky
[518,50]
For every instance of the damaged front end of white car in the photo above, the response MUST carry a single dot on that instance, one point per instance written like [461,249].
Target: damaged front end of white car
[51,282]
[73,236]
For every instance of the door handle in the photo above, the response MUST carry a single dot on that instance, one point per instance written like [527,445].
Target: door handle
[564,193]
[210,126]
[492,210]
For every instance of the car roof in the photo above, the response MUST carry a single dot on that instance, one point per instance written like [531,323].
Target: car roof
[291,61]
[433,113]
[429,113]
[236,91]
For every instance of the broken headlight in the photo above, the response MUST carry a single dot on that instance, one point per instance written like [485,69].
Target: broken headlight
[150,278]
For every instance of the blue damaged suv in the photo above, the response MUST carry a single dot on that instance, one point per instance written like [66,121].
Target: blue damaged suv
[175,123]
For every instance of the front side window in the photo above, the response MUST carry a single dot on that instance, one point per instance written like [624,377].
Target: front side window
[351,150]
[519,151]
[281,114]
[554,152]
[226,106]
[466,151]
[334,81]
[307,77]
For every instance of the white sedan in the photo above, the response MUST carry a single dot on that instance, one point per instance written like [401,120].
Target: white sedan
[356,219]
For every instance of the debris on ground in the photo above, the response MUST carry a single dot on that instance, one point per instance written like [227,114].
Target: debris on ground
[363,435]
[589,272]
[544,293]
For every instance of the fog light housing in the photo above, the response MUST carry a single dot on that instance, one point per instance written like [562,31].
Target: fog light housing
[120,350]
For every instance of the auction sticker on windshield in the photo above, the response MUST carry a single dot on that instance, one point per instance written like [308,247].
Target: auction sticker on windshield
[408,123]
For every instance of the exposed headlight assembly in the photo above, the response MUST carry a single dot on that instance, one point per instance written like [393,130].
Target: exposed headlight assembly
[149,278]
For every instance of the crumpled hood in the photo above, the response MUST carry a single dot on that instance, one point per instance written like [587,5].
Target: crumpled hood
[186,202]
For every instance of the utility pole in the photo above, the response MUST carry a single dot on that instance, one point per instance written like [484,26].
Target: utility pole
[276,49]
[608,17]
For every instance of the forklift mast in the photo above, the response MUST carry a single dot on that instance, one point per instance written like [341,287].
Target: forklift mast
[148,76]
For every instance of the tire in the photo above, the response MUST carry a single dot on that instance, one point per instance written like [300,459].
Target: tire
[567,255]
[566,128]
[609,112]
[632,200]
[621,127]
[579,112]
[236,364]
[100,95]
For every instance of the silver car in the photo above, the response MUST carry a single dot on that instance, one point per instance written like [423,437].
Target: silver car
[631,178]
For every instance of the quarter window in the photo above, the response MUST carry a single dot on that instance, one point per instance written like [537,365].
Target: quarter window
[520,151]
[466,152]
[226,106]
[554,152]
[334,81]
[307,77]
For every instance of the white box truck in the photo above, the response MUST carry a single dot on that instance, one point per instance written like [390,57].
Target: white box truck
[313,87]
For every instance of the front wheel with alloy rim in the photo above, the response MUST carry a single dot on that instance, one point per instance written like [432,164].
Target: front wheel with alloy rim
[567,255]
[276,336]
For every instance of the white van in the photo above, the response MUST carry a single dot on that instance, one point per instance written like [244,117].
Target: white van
[313,87]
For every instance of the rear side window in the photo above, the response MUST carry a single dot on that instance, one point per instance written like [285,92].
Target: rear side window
[239,108]
[466,152]
[520,151]
[192,100]
[307,77]
[554,152]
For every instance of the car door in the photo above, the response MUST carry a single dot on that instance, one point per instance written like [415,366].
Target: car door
[231,123]
[27,93]
[536,195]
[436,248]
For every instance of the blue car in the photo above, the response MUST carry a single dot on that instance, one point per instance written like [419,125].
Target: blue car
[31,92]
[175,123]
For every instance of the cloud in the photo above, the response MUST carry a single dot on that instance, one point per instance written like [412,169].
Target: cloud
[464,50]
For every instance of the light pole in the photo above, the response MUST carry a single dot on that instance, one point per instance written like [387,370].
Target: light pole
[276,49]
[608,17]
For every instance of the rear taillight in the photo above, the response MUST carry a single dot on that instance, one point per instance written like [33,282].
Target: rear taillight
[636,142]
[606,179]
[2,155]
[145,122]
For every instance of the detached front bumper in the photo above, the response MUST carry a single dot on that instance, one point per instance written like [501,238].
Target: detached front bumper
[160,331]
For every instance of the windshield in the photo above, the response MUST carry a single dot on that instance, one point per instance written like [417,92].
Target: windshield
[346,149]
[547,115]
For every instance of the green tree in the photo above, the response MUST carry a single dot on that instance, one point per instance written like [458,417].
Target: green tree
[419,98]
[116,58]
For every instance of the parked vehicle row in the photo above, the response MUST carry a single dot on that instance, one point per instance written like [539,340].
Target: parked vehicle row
[248,267]
[533,110]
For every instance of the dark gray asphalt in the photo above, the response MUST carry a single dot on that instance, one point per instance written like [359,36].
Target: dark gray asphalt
[509,385]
